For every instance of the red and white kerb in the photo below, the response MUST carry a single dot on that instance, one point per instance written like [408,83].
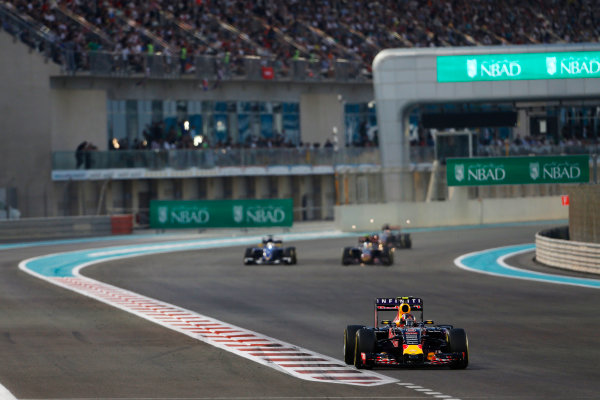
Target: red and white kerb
[288,358]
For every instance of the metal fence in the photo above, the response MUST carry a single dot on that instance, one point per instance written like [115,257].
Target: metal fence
[213,67]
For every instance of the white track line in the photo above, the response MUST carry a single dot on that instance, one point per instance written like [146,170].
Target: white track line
[293,360]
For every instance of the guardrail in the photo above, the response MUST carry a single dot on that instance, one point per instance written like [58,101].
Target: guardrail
[249,157]
[213,158]
[29,229]
[554,249]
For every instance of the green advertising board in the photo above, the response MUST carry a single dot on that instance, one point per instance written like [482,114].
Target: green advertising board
[517,170]
[173,214]
[520,66]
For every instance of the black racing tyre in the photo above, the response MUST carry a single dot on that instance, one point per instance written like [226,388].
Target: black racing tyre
[291,253]
[407,241]
[389,241]
[387,257]
[249,253]
[350,342]
[459,343]
[347,256]
[365,343]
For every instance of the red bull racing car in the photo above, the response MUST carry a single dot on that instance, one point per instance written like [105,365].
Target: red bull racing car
[270,251]
[405,341]
[370,250]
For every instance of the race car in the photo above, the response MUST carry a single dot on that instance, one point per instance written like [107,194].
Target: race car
[405,341]
[393,237]
[270,251]
[370,250]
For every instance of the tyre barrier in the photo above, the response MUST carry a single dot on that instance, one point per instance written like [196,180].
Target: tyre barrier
[553,248]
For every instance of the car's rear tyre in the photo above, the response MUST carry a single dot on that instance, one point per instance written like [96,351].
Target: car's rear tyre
[350,342]
[365,343]
[459,343]
[249,253]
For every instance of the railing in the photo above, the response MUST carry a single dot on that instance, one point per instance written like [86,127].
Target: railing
[247,157]
[213,158]
[211,67]
[537,149]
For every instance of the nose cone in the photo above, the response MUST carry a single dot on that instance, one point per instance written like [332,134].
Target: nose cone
[412,349]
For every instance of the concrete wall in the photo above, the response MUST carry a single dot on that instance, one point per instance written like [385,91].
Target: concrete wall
[78,115]
[319,114]
[190,88]
[26,117]
[584,213]
[457,211]
[566,254]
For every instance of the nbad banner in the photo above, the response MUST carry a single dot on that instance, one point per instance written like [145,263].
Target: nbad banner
[518,66]
[176,214]
[517,170]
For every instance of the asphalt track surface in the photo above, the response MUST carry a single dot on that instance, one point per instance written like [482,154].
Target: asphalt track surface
[527,340]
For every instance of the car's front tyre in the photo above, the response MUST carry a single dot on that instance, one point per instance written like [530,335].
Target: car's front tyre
[364,343]
[459,343]
[350,342]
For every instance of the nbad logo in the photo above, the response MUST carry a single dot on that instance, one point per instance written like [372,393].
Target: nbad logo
[493,69]
[263,215]
[564,171]
[188,216]
[238,214]
[485,173]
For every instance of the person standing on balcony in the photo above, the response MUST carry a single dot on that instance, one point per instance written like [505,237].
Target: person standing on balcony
[149,57]
[79,154]
[183,58]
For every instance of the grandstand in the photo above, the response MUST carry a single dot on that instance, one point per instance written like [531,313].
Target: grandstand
[247,85]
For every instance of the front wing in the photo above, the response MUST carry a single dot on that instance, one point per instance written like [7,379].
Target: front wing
[382,360]
[257,258]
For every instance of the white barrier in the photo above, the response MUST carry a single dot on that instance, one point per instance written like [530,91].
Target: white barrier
[567,254]
[454,212]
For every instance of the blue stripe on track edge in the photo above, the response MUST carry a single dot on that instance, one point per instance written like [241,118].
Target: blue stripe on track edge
[492,262]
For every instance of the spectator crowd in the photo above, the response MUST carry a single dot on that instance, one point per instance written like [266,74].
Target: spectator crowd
[321,31]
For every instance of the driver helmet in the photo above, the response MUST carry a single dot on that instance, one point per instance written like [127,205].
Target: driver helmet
[408,320]
[267,239]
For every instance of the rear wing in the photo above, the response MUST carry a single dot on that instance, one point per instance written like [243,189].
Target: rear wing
[394,304]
